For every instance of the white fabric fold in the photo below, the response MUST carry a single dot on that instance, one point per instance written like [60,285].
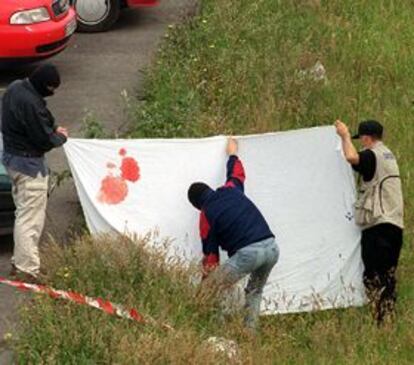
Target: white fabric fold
[298,179]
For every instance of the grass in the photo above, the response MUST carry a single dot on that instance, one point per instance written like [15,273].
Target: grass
[56,332]
[236,69]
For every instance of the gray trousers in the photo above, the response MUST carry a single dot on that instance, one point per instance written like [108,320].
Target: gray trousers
[256,260]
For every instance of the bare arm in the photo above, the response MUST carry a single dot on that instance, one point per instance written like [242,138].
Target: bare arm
[350,152]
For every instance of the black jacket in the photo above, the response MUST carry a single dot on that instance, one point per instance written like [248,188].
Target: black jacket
[28,127]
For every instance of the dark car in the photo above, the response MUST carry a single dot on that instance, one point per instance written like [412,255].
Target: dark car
[7,207]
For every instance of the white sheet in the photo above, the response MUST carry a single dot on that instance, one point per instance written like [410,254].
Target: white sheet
[298,179]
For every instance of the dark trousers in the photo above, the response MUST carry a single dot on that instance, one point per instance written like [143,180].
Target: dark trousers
[381,246]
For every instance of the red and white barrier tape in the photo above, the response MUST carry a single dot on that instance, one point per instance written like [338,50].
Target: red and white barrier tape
[98,303]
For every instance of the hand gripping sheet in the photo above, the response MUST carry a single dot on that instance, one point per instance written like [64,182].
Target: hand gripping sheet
[298,179]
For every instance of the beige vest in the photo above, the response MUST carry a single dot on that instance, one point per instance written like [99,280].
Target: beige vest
[380,200]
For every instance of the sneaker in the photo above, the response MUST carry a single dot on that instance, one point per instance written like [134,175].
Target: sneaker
[25,277]
[13,271]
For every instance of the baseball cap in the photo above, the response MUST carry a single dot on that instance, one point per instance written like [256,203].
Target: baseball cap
[369,128]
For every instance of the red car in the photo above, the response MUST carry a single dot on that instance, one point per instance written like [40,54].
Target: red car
[34,29]
[100,15]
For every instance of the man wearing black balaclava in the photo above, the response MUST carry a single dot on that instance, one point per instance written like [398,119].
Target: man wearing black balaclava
[29,131]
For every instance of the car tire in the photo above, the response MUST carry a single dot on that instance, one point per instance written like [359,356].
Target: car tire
[97,15]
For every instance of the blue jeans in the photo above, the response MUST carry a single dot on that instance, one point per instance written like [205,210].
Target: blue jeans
[256,260]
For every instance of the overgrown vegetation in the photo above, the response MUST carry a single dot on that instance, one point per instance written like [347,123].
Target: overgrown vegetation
[236,68]
[132,273]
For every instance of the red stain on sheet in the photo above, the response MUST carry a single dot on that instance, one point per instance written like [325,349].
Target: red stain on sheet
[114,189]
[130,169]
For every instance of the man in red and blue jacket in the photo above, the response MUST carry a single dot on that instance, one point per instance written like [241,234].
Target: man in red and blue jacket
[231,221]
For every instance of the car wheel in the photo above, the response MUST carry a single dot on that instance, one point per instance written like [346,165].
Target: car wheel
[96,15]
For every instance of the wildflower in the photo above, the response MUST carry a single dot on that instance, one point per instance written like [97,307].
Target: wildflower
[7,336]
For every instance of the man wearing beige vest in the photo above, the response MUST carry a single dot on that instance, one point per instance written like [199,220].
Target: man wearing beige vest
[378,211]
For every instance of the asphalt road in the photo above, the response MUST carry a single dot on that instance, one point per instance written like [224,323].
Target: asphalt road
[95,71]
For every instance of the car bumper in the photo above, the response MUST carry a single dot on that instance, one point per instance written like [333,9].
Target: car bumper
[37,40]
[141,3]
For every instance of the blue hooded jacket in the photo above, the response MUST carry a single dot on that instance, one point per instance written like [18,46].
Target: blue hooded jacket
[229,219]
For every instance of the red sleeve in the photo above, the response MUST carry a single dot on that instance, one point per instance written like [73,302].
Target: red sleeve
[235,173]
[210,246]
